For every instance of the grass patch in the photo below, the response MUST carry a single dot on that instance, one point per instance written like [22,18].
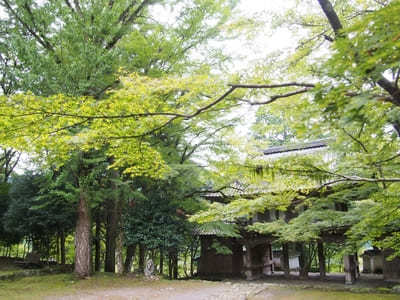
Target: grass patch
[38,287]
[326,295]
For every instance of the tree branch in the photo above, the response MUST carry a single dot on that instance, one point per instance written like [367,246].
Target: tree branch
[69,5]
[78,8]
[187,153]
[125,19]
[336,25]
[330,13]
[356,140]
[276,97]
[272,86]
[26,26]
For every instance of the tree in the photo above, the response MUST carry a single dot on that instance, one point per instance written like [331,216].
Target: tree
[8,161]
[350,69]
[80,46]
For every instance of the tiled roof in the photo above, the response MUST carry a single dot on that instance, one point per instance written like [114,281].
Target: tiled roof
[238,188]
[297,147]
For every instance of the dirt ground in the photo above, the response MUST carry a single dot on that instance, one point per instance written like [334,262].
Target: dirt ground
[226,290]
[178,290]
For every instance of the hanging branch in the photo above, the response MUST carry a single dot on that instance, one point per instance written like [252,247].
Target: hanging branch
[337,26]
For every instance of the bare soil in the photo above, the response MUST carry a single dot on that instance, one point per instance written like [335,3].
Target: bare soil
[177,290]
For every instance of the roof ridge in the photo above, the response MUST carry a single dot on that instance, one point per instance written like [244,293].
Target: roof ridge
[320,143]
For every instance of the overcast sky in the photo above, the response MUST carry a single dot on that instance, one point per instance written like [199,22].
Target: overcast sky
[264,43]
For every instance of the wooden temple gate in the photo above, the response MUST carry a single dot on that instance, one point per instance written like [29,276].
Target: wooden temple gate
[252,256]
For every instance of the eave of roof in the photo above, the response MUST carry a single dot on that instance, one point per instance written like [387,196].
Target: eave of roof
[297,147]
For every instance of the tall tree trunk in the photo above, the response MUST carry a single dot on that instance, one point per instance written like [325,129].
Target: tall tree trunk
[142,252]
[82,238]
[111,234]
[62,247]
[23,253]
[58,255]
[161,262]
[321,259]
[118,252]
[97,244]
[302,260]
[175,265]
[114,214]
[130,253]
[285,259]
[170,265]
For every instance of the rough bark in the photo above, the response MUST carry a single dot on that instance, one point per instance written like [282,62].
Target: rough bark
[161,262]
[118,253]
[321,259]
[285,259]
[97,245]
[142,252]
[62,246]
[82,238]
[330,13]
[114,213]
[111,234]
[175,265]
[302,260]
[169,266]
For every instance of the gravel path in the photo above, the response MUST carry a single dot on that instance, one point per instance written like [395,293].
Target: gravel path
[198,290]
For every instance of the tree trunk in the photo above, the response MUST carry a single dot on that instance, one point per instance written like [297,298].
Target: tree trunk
[285,260]
[97,245]
[192,256]
[82,238]
[130,253]
[111,235]
[142,252]
[23,253]
[170,265]
[175,266]
[302,260]
[118,253]
[62,247]
[58,255]
[173,269]
[321,259]
[112,230]
[161,262]
[331,15]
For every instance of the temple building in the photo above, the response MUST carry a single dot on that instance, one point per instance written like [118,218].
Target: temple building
[253,255]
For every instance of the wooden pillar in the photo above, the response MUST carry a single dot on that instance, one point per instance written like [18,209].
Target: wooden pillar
[321,259]
[350,269]
[285,259]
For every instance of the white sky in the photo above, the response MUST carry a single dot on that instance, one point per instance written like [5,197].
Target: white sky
[264,43]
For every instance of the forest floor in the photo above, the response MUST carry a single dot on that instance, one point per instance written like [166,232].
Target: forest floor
[111,287]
